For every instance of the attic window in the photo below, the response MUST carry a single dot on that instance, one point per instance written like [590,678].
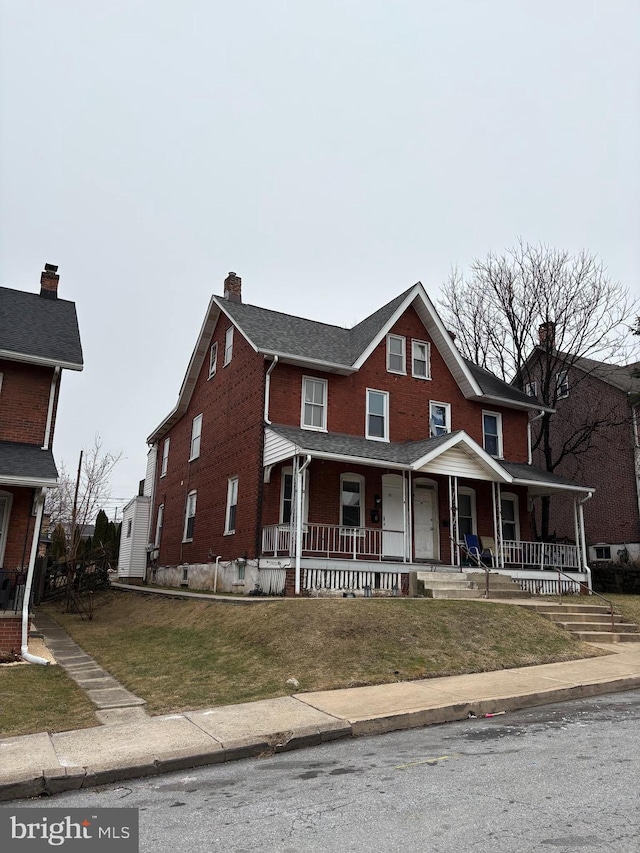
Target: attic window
[531,389]
[396,361]
[420,360]
[562,385]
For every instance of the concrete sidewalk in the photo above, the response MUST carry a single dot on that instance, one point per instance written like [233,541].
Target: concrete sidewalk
[48,763]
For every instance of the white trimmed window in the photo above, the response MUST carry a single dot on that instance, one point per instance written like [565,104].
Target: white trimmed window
[439,418]
[421,359]
[165,456]
[228,346]
[602,552]
[286,495]
[213,359]
[396,359]
[232,506]
[314,403]
[159,523]
[467,522]
[531,389]
[377,426]
[492,433]
[196,432]
[129,528]
[189,517]
[510,517]
[562,385]
[351,500]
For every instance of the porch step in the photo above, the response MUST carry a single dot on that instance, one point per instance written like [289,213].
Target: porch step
[500,586]
[453,593]
[590,623]
[589,609]
[603,625]
[570,616]
[605,637]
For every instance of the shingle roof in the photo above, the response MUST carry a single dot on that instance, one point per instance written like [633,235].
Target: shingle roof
[27,461]
[399,453]
[494,387]
[618,375]
[39,328]
[537,475]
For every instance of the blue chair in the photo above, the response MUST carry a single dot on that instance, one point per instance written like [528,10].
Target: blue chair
[479,556]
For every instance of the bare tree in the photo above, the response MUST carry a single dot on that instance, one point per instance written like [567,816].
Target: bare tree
[73,512]
[533,313]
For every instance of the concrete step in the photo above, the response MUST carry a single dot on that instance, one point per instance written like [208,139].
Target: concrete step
[566,616]
[569,608]
[441,576]
[456,593]
[581,627]
[507,593]
[605,637]
[452,584]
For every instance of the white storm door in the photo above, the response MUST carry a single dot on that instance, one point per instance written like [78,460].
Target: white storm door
[392,516]
[423,522]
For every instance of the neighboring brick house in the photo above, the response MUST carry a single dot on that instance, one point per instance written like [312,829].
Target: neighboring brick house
[39,338]
[335,457]
[597,401]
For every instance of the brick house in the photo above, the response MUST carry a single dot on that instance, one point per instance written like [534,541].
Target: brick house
[39,338]
[597,400]
[312,456]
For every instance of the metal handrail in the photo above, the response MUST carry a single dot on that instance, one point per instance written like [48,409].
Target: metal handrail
[581,584]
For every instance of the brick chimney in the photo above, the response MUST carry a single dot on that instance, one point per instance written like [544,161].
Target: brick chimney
[49,282]
[233,288]
[547,334]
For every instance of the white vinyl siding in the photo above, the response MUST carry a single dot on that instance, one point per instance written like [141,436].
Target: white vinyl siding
[457,463]
[377,423]
[420,360]
[314,403]
[396,357]
[132,559]
[196,433]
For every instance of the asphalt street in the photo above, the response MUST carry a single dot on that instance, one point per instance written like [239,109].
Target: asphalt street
[560,778]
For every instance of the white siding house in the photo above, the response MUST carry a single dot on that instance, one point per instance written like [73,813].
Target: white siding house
[132,562]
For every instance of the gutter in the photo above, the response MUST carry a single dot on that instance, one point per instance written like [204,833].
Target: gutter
[24,649]
[582,539]
[52,397]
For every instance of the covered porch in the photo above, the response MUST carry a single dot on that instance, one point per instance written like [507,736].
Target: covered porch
[344,520]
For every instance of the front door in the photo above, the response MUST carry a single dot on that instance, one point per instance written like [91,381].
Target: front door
[424,513]
[392,516]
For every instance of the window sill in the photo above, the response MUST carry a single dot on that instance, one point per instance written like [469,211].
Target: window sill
[397,372]
[193,458]
[313,428]
[229,533]
[423,378]
[163,475]
[186,541]
[376,438]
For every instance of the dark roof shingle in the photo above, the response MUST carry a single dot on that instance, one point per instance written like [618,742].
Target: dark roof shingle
[26,460]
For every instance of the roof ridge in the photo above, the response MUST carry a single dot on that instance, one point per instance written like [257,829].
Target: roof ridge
[284,314]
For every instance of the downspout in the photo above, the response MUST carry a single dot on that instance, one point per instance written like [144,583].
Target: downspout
[24,650]
[52,397]
[583,541]
[494,489]
[267,389]
[533,420]
[299,479]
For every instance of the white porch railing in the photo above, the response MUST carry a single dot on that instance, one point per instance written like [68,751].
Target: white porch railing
[540,555]
[332,540]
[352,580]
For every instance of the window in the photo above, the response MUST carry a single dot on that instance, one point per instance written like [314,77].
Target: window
[377,426]
[420,360]
[466,512]
[159,523]
[213,359]
[396,354]
[129,527]
[351,493]
[165,456]
[439,418]
[286,495]
[189,517]
[562,385]
[196,432]
[531,389]
[492,433]
[314,403]
[509,513]
[603,552]
[228,346]
[232,505]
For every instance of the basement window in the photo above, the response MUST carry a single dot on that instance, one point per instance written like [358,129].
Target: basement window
[603,552]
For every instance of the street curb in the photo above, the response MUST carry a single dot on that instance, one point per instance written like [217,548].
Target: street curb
[57,780]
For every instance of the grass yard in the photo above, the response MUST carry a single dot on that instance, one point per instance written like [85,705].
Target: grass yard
[627,605]
[181,654]
[41,699]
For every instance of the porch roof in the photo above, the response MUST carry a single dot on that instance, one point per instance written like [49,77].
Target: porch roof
[454,453]
[26,465]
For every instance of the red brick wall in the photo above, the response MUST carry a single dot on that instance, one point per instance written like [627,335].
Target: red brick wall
[232,405]
[10,634]
[16,555]
[408,397]
[612,514]
[24,401]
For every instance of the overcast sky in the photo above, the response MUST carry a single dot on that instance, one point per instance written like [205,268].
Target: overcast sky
[332,153]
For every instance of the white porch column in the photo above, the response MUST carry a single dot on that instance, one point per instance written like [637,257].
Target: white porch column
[495,522]
[453,521]
[410,517]
[500,540]
[300,471]
[404,518]
[576,523]
[583,541]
